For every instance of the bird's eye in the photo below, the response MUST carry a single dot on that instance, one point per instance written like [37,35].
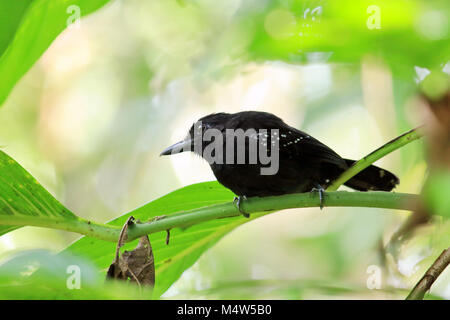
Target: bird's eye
[201,126]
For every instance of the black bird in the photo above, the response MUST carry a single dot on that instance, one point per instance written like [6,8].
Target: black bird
[305,164]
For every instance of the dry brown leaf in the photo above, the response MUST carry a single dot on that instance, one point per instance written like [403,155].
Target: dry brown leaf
[136,266]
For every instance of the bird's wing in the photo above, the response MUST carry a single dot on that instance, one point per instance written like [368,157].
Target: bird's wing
[298,144]
[293,143]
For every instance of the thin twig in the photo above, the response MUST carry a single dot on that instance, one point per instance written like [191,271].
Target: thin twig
[418,292]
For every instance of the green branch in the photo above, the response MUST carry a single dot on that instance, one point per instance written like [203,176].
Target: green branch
[386,200]
[360,165]
[78,225]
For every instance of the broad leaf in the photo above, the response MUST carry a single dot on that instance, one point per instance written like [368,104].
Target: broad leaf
[11,13]
[28,32]
[23,201]
[185,246]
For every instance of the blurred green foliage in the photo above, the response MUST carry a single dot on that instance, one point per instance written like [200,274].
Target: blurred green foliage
[39,274]
[436,193]
[90,117]
[28,28]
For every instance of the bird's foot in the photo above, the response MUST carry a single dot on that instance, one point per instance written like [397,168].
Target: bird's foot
[321,191]
[237,202]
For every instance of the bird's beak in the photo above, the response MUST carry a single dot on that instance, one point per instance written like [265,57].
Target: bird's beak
[178,147]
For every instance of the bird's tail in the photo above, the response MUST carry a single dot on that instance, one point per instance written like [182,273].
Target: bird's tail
[372,178]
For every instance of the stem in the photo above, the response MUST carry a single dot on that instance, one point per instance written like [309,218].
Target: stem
[387,200]
[374,199]
[387,148]
[78,225]
[430,276]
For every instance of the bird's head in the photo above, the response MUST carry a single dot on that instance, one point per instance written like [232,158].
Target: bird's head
[194,137]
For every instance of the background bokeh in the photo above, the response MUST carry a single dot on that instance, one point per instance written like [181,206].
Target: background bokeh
[91,117]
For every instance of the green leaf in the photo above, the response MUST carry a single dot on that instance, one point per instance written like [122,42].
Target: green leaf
[24,201]
[11,13]
[29,31]
[40,274]
[185,246]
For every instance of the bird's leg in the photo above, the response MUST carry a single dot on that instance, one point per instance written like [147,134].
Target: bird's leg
[237,202]
[321,191]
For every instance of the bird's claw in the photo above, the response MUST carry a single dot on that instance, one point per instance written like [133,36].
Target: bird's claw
[237,202]
[321,191]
